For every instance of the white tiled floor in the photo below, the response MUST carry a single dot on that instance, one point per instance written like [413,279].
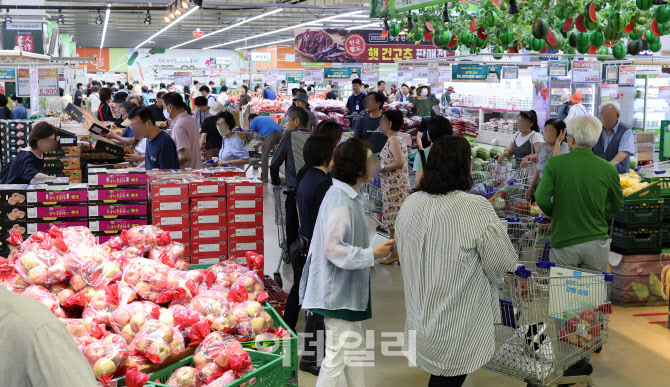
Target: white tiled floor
[638,353]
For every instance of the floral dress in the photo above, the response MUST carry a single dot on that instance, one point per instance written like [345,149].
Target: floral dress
[394,184]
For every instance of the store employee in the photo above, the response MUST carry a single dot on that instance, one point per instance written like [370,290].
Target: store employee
[355,102]
[161,152]
[30,161]
[616,140]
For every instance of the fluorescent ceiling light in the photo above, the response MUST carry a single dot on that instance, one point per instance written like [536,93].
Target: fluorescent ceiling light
[266,44]
[284,29]
[377,24]
[167,27]
[245,21]
[104,28]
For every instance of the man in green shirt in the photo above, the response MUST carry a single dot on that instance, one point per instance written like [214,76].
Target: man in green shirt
[580,192]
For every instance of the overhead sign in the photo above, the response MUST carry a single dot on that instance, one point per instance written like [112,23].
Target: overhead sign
[294,77]
[47,86]
[370,76]
[585,72]
[626,75]
[361,46]
[7,75]
[510,72]
[436,86]
[404,75]
[342,73]
[265,57]
[609,91]
[24,26]
[272,76]
[29,40]
[23,83]
[313,75]
[183,78]
[221,60]
[557,68]
[475,73]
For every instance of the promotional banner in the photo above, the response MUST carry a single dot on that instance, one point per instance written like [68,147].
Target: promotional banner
[379,8]
[313,75]
[404,74]
[7,75]
[436,86]
[34,90]
[370,76]
[510,72]
[142,63]
[23,83]
[349,73]
[476,73]
[27,36]
[540,94]
[360,46]
[183,78]
[272,76]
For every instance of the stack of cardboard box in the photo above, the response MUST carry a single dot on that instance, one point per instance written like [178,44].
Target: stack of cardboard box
[644,145]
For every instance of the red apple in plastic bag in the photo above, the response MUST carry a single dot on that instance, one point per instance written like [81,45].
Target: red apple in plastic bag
[227,273]
[106,356]
[158,341]
[185,377]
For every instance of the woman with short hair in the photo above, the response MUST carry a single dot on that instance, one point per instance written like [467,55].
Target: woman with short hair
[104,110]
[30,160]
[454,251]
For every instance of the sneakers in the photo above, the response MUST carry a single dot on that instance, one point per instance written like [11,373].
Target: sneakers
[310,367]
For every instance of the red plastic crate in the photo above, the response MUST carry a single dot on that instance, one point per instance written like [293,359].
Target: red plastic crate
[278,297]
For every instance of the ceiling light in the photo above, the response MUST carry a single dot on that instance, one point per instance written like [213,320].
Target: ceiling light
[98,20]
[182,17]
[265,44]
[104,28]
[244,21]
[61,18]
[185,4]
[178,12]
[147,19]
[172,16]
[167,19]
[284,29]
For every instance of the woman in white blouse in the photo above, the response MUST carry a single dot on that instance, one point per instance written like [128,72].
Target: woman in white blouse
[453,250]
[336,280]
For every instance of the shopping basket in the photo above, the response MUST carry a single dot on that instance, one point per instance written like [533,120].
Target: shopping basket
[551,317]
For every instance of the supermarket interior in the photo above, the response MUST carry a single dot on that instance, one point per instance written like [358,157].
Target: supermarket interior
[334,193]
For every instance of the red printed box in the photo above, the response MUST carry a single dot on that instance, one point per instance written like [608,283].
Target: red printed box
[112,180]
[210,260]
[238,249]
[111,195]
[245,205]
[116,210]
[250,233]
[57,212]
[222,172]
[171,222]
[116,225]
[181,236]
[45,226]
[53,197]
[199,221]
[167,191]
[207,188]
[208,233]
[208,206]
[213,249]
[244,220]
[244,188]
[172,207]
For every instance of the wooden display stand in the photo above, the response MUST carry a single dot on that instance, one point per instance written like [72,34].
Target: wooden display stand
[640,280]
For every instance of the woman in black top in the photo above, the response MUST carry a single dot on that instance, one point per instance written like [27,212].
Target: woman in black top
[330,94]
[5,113]
[30,161]
[105,111]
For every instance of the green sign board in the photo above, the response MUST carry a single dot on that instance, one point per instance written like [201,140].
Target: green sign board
[294,77]
[341,72]
[475,73]
[7,75]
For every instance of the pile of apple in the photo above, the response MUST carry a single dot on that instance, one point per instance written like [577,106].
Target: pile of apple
[583,328]
[131,302]
[219,353]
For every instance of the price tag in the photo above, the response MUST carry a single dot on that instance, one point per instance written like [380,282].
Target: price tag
[626,75]
[47,84]
[585,72]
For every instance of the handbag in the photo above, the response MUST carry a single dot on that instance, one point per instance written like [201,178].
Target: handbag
[298,251]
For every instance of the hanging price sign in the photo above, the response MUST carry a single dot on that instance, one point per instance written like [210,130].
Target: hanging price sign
[585,72]
[47,85]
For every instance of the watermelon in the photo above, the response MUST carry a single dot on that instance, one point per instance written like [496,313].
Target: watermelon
[633,162]
[483,153]
[540,28]
[654,47]
[473,25]
[473,151]
[481,33]
[617,21]
[590,12]
[478,42]
[635,36]
[603,51]
[558,43]
[429,26]
[536,44]
[444,37]
[644,4]
[453,43]
[569,50]
[567,26]
[651,38]
[664,28]
[662,14]
[561,13]
[427,36]
[506,36]
[619,50]
[612,36]
[572,39]
[629,28]
[597,38]
[495,151]
[583,49]
[466,38]
[394,29]
[579,23]
[490,18]
[436,38]
[634,47]
[593,50]
[591,26]
[479,175]
[498,50]
[583,39]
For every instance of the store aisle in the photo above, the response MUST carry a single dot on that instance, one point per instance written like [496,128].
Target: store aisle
[636,354]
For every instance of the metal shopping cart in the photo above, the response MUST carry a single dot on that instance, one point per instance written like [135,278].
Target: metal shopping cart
[551,317]
[280,222]
[252,143]
[659,169]
[372,199]
[530,237]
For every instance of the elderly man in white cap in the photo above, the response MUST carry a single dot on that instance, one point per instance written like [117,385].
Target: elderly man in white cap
[564,108]
[446,97]
[302,100]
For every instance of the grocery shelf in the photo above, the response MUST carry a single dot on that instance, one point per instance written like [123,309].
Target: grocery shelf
[487,136]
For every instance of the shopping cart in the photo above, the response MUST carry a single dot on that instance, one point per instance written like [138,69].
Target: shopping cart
[280,222]
[659,169]
[530,237]
[252,143]
[372,200]
[551,318]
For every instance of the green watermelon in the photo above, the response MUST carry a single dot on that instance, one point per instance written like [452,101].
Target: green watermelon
[612,36]
[591,26]
[506,36]
[568,50]
[597,38]
[590,12]
[478,176]
[473,151]
[603,51]
[619,50]
[490,18]
[572,39]
[555,40]
[536,44]
[662,14]
[394,29]
[466,39]
[635,36]
[584,49]
[664,29]
[540,28]
[479,42]
[498,50]
[651,38]
[495,151]
[583,39]
[634,47]
[483,153]
[562,13]
[644,4]
[617,21]
[654,47]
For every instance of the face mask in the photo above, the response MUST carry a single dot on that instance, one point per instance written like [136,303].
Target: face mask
[223,130]
[14,104]
[166,114]
[424,92]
